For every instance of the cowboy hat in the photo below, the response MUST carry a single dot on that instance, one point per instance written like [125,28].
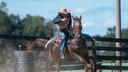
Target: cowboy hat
[63,11]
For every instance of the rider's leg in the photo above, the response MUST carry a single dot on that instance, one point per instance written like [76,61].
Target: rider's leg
[67,35]
[62,44]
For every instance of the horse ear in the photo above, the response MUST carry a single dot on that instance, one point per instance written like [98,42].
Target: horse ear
[80,17]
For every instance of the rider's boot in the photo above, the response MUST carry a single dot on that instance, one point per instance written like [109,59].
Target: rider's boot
[62,55]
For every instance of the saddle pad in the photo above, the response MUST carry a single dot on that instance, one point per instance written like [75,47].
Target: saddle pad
[57,39]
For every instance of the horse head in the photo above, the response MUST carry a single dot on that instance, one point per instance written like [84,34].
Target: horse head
[77,26]
[77,47]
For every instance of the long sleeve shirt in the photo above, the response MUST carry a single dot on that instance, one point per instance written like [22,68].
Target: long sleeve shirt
[58,18]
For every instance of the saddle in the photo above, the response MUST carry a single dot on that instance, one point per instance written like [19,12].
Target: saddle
[57,39]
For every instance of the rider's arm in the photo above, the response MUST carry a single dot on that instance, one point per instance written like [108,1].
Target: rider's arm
[57,19]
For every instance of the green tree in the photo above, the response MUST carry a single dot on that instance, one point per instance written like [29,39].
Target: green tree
[5,23]
[49,29]
[110,32]
[36,26]
[3,6]
[16,27]
[125,33]
[32,25]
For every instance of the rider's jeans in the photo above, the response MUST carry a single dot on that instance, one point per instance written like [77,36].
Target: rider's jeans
[62,44]
[64,37]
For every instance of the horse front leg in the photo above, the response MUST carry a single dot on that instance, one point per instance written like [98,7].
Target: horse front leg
[81,60]
[87,68]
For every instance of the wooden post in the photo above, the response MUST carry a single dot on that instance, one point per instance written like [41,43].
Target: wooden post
[118,30]
[94,58]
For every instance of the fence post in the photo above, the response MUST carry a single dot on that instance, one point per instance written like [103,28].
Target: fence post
[118,30]
[94,57]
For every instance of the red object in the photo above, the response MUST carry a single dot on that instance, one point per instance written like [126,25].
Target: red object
[57,39]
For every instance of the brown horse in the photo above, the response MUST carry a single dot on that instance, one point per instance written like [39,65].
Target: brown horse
[76,48]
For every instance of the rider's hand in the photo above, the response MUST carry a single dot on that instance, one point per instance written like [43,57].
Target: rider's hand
[64,19]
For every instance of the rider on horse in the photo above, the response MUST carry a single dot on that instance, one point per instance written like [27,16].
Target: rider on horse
[64,22]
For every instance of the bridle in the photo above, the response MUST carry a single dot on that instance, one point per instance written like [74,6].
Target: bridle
[77,25]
